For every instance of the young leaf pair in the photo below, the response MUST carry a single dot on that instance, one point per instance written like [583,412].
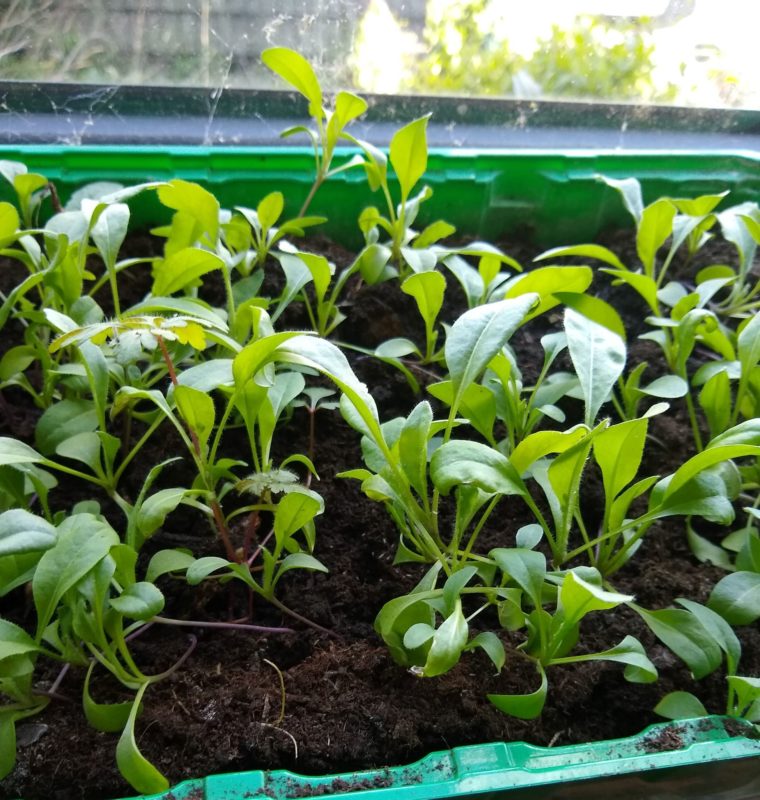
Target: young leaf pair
[703,637]
[516,582]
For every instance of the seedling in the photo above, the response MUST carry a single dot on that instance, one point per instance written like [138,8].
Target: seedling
[520,590]
[330,124]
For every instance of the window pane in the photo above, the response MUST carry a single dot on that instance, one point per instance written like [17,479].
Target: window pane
[682,52]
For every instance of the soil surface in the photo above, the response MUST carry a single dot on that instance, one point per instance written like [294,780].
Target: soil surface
[347,705]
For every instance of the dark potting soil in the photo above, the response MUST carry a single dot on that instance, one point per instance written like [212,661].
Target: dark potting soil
[346,704]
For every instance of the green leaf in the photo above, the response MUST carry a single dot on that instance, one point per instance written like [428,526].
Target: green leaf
[329,360]
[527,568]
[165,561]
[463,462]
[208,376]
[427,288]
[749,352]
[184,306]
[294,511]
[468,277]
[203,567]
[448,643]
[666,386]
[654,227]
[136,769]
[705,495]
[153,511]
[523,706]
[542,443]
[10,169]
[578,598]
[595,310]
[106,717]
[706,551]
[718,628]
[747,690]
[413,446]
[15,571]
[197,409]
[84,447]
[109,232]
[630,193]
[141,600]
[598,356]
[419,260]
[748,557]
[183,268]
[294,69]
[373,263]
[681,632]
[564,477]
[583,251]
[195,202]
[62,421]
[546,282]
[300,561]
[9,223]
[418,635]
[399,615]
[7,742]
[745,433]
[477,405]
[680,705]
[270,209]
[639,669]
[478,335]
[618,451]
[737,229]
[643,284]
[715,400]
[12,451]
[737,598]
[528,536]
[257,355]
[83,541]
[348,107]
[408,154]
[702,461]
[698,206]
[22,532]
[16,360]
[14,641]
[492,646]
[321,271]
[96,367]
[433,233]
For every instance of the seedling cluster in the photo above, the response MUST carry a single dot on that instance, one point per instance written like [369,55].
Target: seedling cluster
[220,379]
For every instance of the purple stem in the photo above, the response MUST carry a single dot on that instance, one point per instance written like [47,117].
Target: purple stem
[230,626]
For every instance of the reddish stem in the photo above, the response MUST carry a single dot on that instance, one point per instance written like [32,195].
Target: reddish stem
[216,509]
[252,524]
[230,626]
[54,199]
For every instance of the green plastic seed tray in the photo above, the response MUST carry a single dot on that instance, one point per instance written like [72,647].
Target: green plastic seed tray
[713,758]
[553,197]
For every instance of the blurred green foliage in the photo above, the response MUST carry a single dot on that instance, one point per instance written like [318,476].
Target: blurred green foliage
[600,58]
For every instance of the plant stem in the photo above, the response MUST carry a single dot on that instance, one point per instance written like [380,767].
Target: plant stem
[289,611]
[694,423]
[216,509]
[310,196]
[230,626]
